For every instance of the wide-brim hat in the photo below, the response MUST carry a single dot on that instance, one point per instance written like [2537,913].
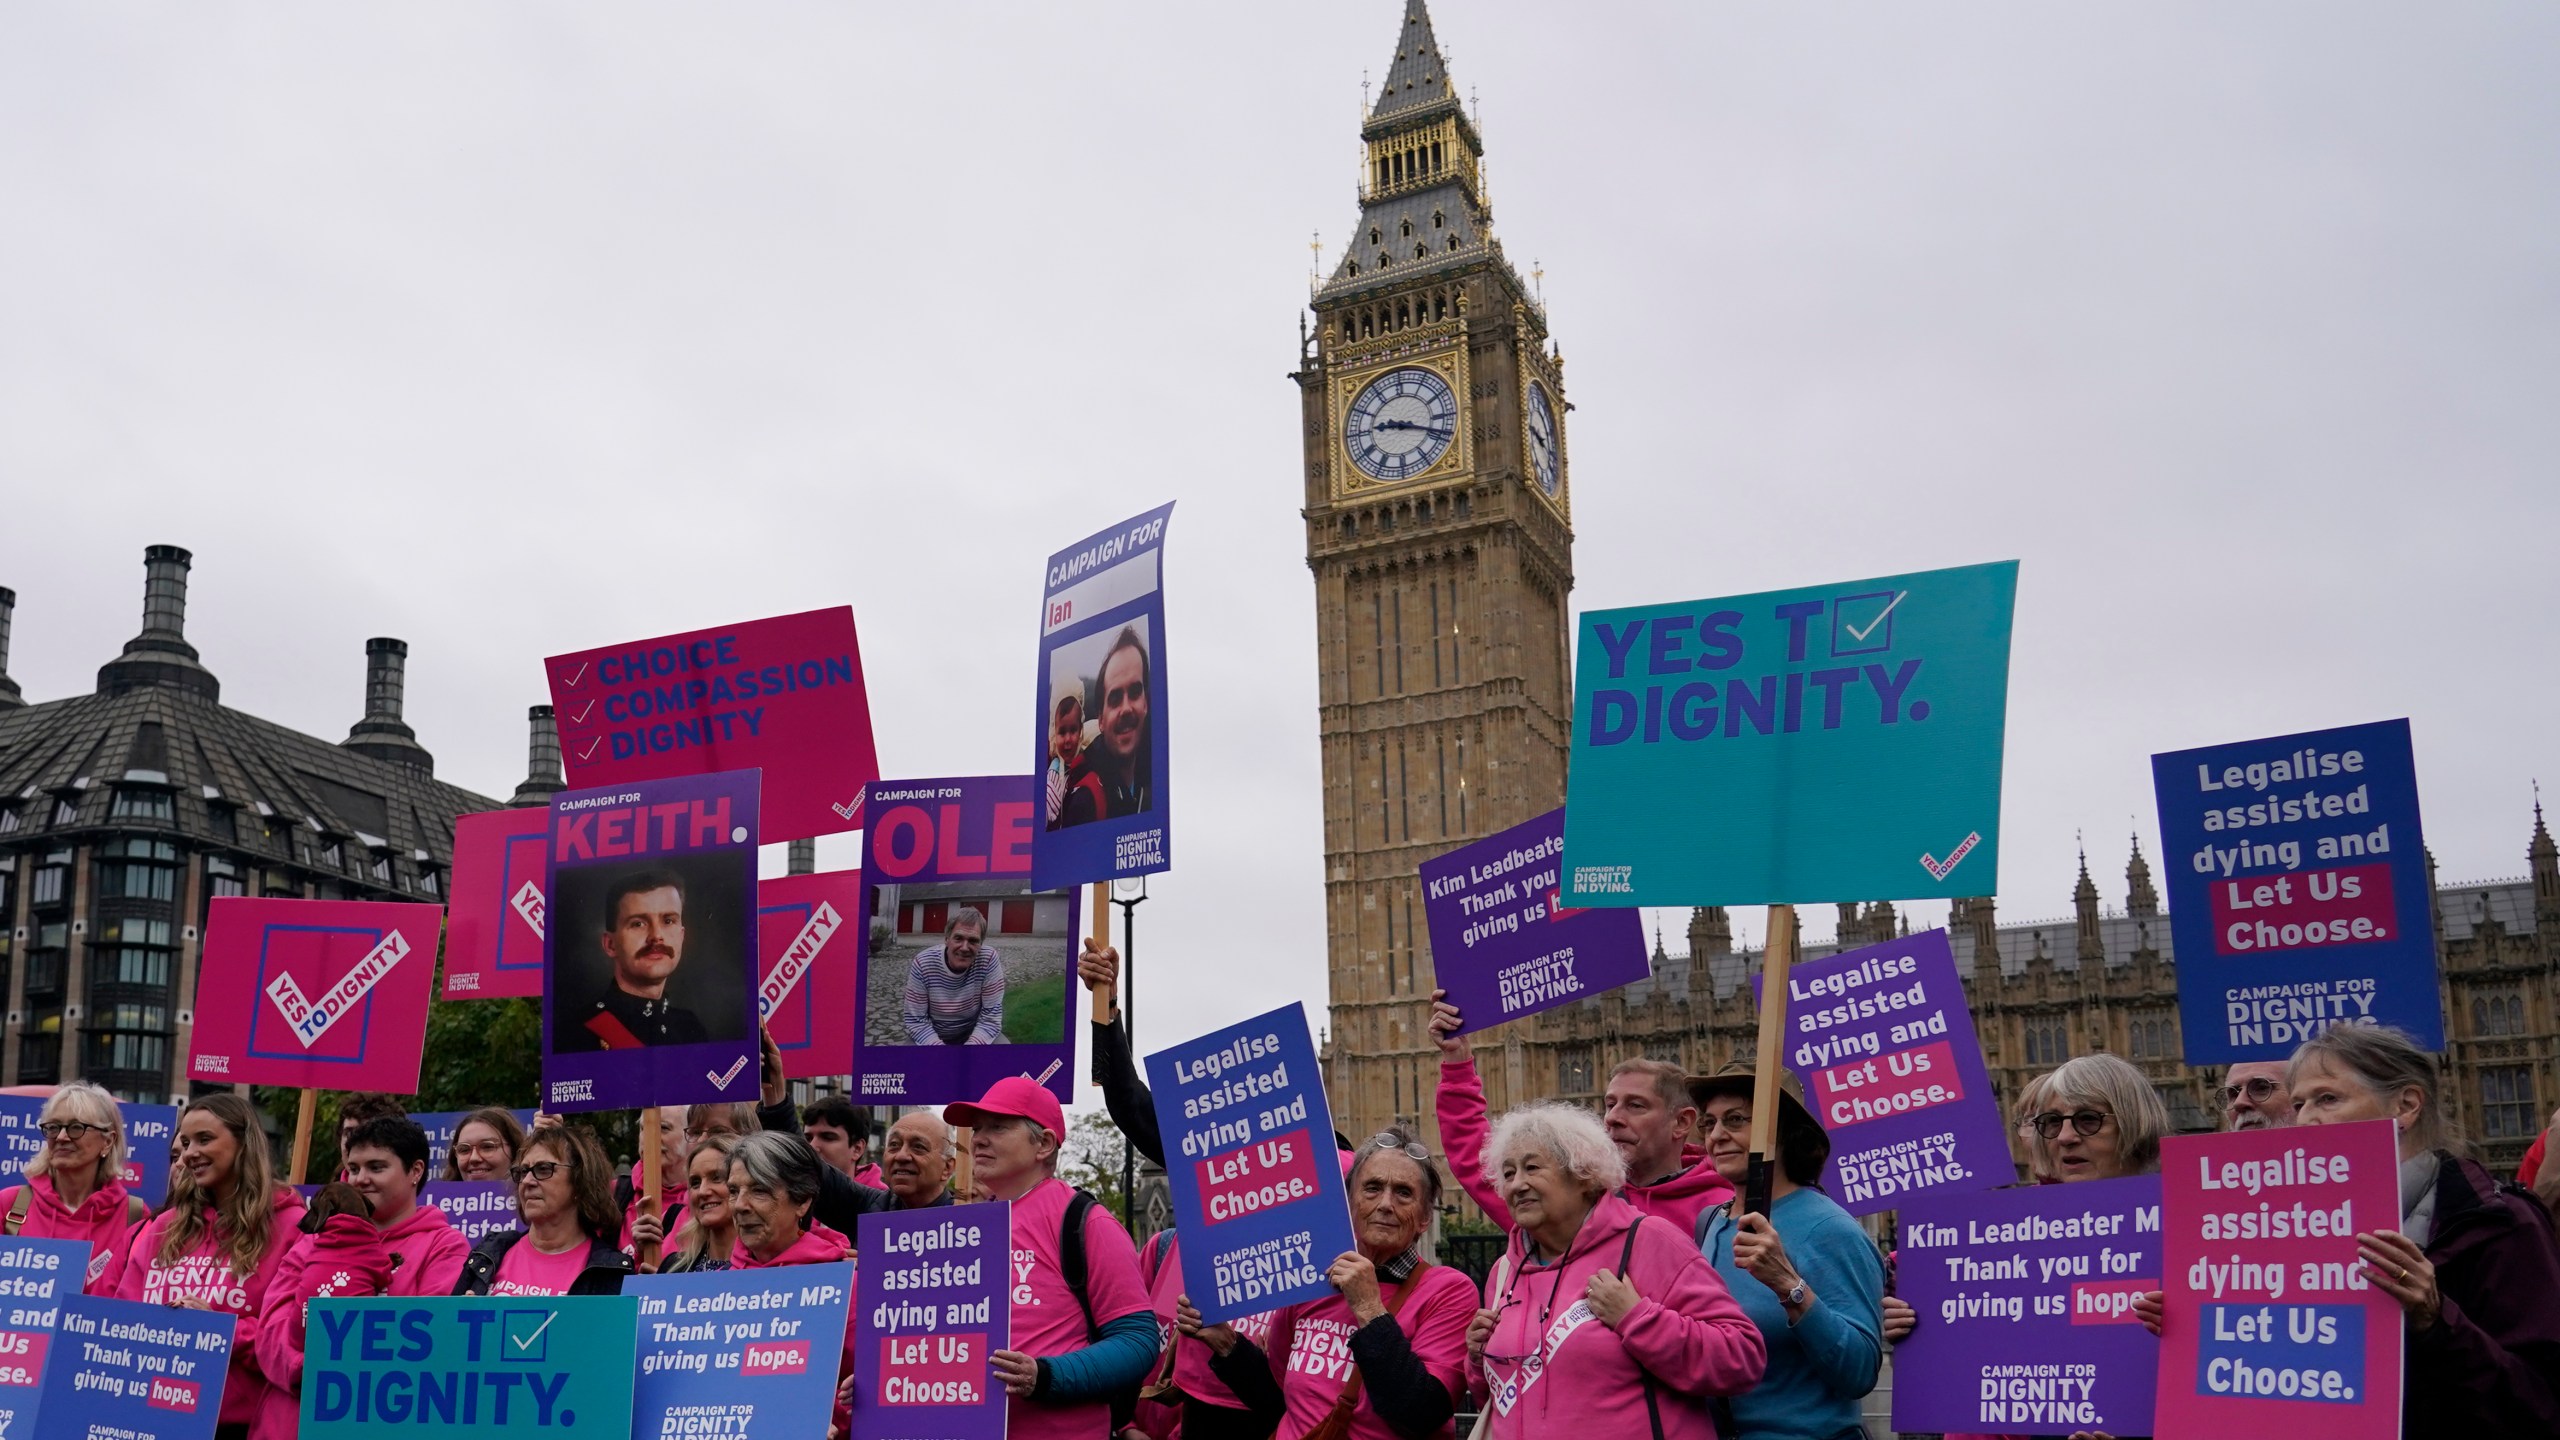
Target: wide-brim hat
[1742,1078]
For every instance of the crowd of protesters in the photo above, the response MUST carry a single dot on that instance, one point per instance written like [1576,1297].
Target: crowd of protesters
[1634,1294]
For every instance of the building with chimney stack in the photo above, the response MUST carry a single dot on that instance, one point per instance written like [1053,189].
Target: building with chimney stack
[125,812]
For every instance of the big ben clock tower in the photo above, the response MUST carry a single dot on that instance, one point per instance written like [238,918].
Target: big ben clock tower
[1438,511]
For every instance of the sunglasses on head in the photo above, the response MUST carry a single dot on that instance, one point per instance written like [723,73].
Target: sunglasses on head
[2087,1122]
[1388,1140]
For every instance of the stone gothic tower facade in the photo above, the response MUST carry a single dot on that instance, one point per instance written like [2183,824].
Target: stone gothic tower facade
[1438,514]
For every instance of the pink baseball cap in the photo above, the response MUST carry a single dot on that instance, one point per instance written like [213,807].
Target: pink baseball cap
[1019,1096]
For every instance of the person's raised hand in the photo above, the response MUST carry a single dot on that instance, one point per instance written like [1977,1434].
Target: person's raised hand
[1899,1319]
[2148,1310]
[2395,1265]
[1611,1295]
[1017,1372]
[1444,1026]
[1099,966]
[776,1086]
[1479,1330]
[1760,1253]
[647,1229]
[1357,1279]
[1186,1318]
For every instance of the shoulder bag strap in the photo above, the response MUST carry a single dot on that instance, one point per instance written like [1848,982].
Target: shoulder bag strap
[1337,1421]
[17,1218]
[1652,1401]
[1494,1297]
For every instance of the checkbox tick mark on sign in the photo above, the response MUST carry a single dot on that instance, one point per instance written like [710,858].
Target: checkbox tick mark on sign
[1860,633]
[581,717]
[590,752]
[573,681]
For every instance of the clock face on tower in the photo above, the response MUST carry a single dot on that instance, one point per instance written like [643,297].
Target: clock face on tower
[1401,424]
[1542,441]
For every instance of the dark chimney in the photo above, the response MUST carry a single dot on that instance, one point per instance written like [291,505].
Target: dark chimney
[542,760]
[160,655]
[804,857]
[9,695]
[382,734]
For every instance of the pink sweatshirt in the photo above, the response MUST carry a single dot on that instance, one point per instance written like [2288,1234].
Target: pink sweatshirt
[345,1258]
[105,1220]
[1587,1378]
[1161,1263]
[204,1273]
[427,1253]
[1310,1350]
[818,1245]
[1680,1199]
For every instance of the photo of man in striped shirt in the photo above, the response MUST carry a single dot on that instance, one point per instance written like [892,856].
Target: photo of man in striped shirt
[955,990]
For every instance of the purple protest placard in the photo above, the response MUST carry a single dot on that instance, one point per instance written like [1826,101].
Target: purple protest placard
[1100,723]
[1501,946]
[971,976]
[649,966]
[783,695]
[1891,1068]
[2025,1298]
[930,1303]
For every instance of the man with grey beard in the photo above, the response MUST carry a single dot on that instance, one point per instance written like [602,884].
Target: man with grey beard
[2256,1095]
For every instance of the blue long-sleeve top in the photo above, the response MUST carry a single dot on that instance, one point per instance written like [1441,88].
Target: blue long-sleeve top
[1122,1356]
[1821,1366]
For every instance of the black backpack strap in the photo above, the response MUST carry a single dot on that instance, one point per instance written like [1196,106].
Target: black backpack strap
[1071,1259]
[1652,1402]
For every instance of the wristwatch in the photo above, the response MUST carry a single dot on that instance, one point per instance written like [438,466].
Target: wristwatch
[1794,1298]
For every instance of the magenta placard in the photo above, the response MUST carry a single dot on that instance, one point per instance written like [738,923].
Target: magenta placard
[330,994]
[2270,1327]
[783,695]
[493,934]
[809,969]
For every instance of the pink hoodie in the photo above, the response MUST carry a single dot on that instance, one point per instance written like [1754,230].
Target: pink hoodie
[205,1273]
[1680,1198]
[345,1258]
[105,1220]
[1586,1376]
[426,1252]
[817,1245]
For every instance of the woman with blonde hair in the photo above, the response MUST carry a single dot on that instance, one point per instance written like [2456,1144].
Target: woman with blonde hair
[75,1182]
[217,1245]
[709,1239]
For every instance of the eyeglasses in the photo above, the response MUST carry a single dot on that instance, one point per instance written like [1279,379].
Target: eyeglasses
[540,1171]
[2259,1091]
[2087,1122]
[1386,1140]
[1737,1121]
[68,1129]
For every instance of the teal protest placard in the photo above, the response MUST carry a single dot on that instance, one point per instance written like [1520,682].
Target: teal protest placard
[555,1366]
[1836,742]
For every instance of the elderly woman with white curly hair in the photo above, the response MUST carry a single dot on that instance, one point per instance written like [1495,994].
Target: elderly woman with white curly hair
[1595,1322]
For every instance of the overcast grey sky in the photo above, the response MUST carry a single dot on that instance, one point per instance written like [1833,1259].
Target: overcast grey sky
[515,328]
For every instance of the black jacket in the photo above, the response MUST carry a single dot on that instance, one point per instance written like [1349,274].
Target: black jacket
[841,1203]
[606,1266]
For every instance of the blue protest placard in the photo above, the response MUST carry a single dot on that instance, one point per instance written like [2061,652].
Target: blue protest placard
[933,1306]
[649,979]
[477,1208]
[2298,892]
[557,1366]
[1101,746]
[147,1129]
[1257,1188]
[36,1276]
[1837,742]
[701,1335]
[440,1125]
[1501,945]
[2025,1301]
[124,1370]
[1893,1070]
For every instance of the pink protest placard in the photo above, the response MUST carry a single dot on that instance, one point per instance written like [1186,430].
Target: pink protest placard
[809,969]
[330,994]
[2270,1327]
[783,695]
[493,937]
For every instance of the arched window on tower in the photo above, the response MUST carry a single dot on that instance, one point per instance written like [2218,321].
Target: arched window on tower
[1374,236]
[1453,242]
[1406,230]
[1420,250]
[1439,220]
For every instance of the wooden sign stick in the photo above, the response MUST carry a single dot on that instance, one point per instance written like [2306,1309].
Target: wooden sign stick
[644,1184]
[1773,1040]
[305,1116]
[1098,925]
